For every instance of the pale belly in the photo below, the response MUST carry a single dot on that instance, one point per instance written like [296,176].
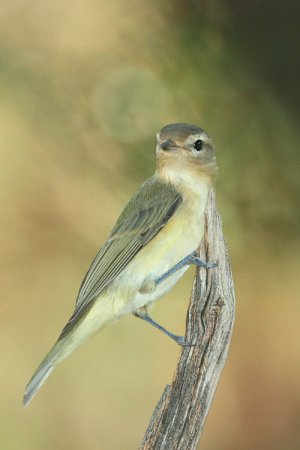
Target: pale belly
[135,287]
[180,237]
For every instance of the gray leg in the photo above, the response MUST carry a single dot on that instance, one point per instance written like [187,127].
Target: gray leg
[188,260]
[142,314]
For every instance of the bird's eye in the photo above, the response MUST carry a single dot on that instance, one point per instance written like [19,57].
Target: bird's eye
[198,145]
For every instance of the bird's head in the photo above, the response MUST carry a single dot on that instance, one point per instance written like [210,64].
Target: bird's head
[185,151]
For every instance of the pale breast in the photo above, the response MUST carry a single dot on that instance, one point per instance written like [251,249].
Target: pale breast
[179,237]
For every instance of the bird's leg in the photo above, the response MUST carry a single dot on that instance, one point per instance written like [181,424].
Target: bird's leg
[142,313]
[188,260]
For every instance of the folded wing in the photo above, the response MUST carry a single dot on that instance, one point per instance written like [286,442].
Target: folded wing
[146,213]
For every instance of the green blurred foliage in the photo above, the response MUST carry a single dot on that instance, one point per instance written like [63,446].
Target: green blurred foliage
[84,88]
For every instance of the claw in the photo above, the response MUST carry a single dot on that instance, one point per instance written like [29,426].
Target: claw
[180,340]
[207,265]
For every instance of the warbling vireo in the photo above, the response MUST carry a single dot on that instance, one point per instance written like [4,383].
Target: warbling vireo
[150,247]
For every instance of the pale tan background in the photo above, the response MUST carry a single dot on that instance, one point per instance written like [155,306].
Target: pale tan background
[84,87]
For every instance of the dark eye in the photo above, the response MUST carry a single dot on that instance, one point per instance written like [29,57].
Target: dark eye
[198,145]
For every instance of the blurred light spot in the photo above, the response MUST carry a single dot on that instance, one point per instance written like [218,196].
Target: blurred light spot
[130,103]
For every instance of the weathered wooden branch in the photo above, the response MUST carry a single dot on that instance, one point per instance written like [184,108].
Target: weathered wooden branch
[178,419]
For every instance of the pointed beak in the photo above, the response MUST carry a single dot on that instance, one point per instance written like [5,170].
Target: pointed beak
[167,145]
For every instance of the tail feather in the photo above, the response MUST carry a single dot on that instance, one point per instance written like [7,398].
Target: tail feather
[65,345]
[42,372]
[35,383]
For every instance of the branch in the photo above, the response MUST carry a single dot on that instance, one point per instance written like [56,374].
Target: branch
[178,419]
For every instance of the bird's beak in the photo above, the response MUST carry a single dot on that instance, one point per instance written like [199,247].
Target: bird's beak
[167,145]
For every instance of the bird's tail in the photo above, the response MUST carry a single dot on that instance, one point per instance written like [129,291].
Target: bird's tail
[43,371]
[97,318]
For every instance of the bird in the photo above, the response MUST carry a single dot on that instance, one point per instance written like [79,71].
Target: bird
[150,247]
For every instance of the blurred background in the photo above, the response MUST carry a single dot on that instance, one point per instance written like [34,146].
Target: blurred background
[84,86]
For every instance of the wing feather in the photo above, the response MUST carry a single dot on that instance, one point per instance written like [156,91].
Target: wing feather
[143,217]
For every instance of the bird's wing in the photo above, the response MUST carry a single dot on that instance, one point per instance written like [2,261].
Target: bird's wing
[146,213]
